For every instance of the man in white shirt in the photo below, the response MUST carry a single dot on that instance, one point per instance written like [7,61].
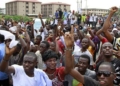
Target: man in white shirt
[95,20]
[83,50]
[26,75]
[91,19]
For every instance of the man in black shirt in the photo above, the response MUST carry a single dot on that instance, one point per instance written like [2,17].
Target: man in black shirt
[107,51]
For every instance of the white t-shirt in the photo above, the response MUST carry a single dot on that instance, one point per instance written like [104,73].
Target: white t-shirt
[13,29]
[20,78]
[95,18]
[0,26]
[91,18]
[77,53]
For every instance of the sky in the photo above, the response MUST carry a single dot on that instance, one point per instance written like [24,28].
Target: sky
[104,4]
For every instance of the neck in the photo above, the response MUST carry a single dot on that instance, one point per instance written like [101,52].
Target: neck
[108,58]
[111,84]
[83,49]
[50,71]
[82,72]
[30,73]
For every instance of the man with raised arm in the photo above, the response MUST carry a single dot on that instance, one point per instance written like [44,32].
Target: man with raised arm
[26,75]
[106,72]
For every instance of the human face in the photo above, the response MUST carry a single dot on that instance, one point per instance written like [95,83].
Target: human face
[107,49]
[85,43]
[83,64]
[75,36]
[37,40]
[52,46]
[51,63]
[50,32]
[42,47]
[105,80]
[47,27]
[29,63]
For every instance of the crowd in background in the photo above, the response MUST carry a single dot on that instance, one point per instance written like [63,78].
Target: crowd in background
[70,50]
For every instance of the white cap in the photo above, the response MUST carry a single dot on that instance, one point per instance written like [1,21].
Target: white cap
[114,29]
[13,43]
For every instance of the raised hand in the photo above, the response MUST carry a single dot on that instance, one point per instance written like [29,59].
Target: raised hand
[69,38]
[51,36]
[18,30]
[117,53]
[113,10]
[40,16]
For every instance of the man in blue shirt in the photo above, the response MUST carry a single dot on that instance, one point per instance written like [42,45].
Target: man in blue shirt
[3,76]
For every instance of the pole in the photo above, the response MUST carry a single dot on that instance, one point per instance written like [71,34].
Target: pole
[81,4]
[77,5]
[86,7]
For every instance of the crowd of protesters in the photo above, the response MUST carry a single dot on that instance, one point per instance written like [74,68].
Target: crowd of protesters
[82,50]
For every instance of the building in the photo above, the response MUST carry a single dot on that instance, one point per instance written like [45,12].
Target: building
[2,10]
[95,11]
[23,7]
[48,9]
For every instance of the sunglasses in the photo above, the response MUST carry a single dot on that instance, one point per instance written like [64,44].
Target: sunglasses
[104,73]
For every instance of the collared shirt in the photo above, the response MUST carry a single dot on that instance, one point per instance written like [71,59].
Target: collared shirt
[3,75]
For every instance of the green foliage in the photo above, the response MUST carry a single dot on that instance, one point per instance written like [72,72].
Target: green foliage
[16,18]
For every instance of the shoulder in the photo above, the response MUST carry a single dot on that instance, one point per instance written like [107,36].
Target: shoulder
[88,53]
[59,69]
[37,52]
[90,71]
[17,66]
[90,82]
[39,72]
[116,62]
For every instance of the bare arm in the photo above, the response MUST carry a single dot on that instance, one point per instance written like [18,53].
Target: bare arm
[99,34]
[4,64]
[57,47]
[69,60]
[91,33]
[24,46]
[92,44]
[69,64]
[27,41]
[32,31]
[40,16]
[80,34]
[23,43]
[107,25]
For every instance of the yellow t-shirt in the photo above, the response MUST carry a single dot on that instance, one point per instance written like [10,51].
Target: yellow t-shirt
[76,83]
[91,50]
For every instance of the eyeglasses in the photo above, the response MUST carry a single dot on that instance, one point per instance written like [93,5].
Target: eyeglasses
[105,73]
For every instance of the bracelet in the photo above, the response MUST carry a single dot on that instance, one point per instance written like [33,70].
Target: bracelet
[69,49]
[5,60]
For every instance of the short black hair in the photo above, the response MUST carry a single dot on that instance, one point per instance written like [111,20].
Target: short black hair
[85,56]
[49,54]
[19,46]
[47,44]
[39,36]
[2,38]
[109,64]
[31,54]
